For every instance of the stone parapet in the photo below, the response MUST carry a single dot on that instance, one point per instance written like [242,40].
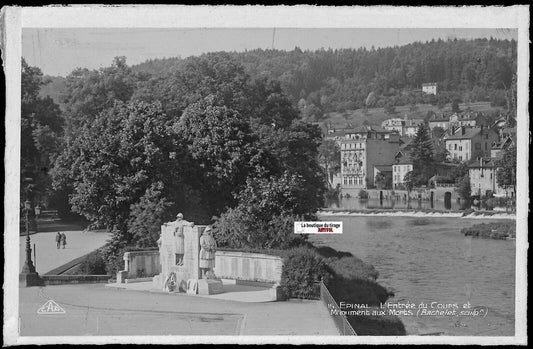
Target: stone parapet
[248,266]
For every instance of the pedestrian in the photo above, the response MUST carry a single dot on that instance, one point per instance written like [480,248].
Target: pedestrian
[58,239]
[63,239]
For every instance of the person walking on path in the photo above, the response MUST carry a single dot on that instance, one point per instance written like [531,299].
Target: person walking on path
[58,239]
[63,239]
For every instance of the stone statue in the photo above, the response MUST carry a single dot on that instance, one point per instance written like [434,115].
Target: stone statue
[208,247]
[179,224]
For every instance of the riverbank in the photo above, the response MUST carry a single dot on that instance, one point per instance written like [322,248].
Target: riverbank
[416,213]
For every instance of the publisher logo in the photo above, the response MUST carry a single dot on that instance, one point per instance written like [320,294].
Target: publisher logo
[51,307]
[317,227]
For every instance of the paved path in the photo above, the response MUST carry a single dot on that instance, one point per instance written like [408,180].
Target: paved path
[92,309]
[49,257]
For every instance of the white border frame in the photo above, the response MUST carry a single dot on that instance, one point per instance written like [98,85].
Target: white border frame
[16,18]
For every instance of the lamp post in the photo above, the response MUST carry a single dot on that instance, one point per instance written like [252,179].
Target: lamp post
[28,275]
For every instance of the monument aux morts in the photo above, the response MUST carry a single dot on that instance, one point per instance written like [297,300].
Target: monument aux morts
[187,257]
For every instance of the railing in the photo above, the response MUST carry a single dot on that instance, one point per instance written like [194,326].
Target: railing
[341,322]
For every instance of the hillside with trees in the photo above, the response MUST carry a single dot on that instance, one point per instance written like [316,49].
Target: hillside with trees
[335,81]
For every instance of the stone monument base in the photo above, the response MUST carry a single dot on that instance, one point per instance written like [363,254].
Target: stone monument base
[210,286]
[30,279]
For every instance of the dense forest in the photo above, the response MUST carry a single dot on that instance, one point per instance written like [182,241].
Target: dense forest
[323,81]
[338,80]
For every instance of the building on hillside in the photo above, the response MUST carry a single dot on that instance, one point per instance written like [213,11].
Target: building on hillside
[336,136]
[430,88]
[401,166]
[405,127]
[460,120]
[411,127]
[498,148]
[470,143]
[508,132]
[393,125]
[439,121]
[483,179]
[361,150]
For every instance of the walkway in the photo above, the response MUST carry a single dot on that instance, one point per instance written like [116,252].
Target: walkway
[48,257]
[92,309]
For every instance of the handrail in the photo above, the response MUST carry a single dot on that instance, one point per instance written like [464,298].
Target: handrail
[341,322]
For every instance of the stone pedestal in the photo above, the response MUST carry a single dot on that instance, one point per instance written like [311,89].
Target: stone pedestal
[29,280]
[210,286]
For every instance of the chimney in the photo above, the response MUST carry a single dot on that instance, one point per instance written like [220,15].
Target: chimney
[463,130]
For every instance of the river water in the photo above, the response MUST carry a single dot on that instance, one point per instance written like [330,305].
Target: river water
[429,260]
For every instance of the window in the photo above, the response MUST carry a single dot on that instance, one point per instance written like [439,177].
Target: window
[486,145]
[455,146]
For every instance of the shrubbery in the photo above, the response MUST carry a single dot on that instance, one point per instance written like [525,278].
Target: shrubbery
[237,229]
[491,230]
[94,264]
[303,269]
[363,194]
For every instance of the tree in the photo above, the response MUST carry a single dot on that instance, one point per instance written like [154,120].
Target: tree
[265,215]
[463,187]
[437,132]
[409,181]
[41,128]
[382,181]
[330,159]
[506,169]
[108,165]
[455,106]
[147,216]
[422,155]
[390,108]
[89,92]
[221,151]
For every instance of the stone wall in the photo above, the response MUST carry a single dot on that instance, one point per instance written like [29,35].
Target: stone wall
[248,266]
[141,264]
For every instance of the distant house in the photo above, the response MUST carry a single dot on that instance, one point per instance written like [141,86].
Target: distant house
[411,127]
[470,143]
[430,88]
[508,132]
[393,125]
[498,148]
[483,180]
[405,127]
[401,166]
[439,121]
[466,120]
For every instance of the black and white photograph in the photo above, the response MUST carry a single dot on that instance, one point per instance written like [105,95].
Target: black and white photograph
[246,174]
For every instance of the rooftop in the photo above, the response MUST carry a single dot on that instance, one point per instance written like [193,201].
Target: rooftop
[468,133]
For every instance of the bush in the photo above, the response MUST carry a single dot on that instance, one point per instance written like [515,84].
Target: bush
[147,216]
[491,230]
[94,264]
[303,269]
[238,229]
[353,268]
[363,194]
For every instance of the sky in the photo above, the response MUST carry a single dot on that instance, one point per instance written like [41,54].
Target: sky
[58,51]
